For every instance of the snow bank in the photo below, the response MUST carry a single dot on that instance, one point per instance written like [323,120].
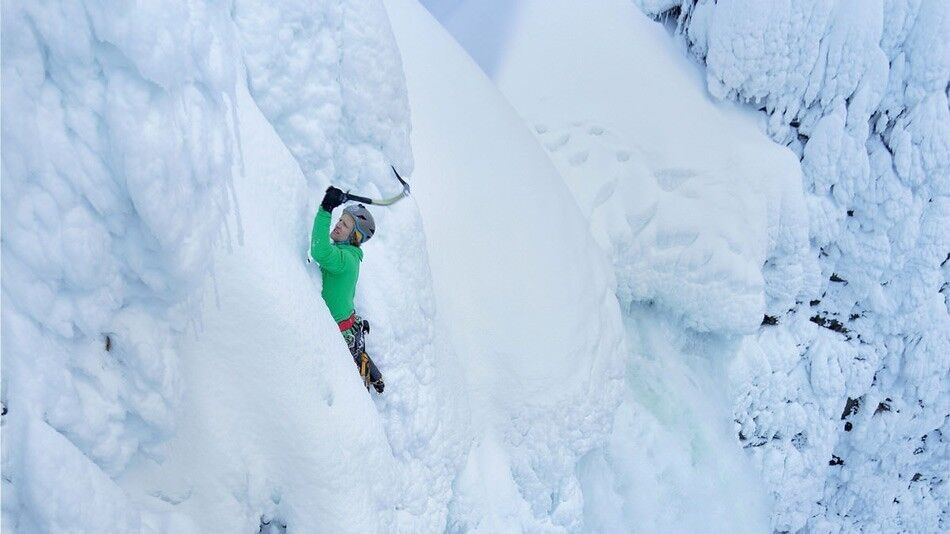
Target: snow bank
[329,78]
[689,215]
[145,396]
[521,289]
[858,91]
[705,221]
[116,165]
[274,424]
[117,126]
[274,427]
[332,85]
[482,422]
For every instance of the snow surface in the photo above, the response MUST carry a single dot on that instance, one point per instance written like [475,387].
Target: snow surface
[858,92]
[116,170]
[526,298]
[690,201]
[106,265]
[266,422]
[689,198]
[273,417]
[567,310]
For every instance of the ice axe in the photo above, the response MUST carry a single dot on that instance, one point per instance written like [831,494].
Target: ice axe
[383,201]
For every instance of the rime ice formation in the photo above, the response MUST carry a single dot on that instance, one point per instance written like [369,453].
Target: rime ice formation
[168,364]
[845,403]
[116,163]
[611,304]
[841,395]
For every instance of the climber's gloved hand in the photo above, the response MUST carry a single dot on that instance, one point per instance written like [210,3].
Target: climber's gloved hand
[333,198]
[378,385]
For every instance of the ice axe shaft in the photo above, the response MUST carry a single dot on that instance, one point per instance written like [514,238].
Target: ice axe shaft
[357,198]
[383,201]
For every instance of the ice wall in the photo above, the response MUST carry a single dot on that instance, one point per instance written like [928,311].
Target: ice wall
[845,403]
[116,164]
[523,294]
[501,357]
[119,146]
[689,200]
[329,78]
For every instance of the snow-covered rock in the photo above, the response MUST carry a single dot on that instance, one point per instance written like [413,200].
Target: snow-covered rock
[168,362]
[116,168]
[859,91]
[558,358]
[705,223]
[119,141]
[856,270]
[522,290]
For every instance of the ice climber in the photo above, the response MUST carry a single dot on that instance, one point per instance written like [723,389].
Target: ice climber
[340,268]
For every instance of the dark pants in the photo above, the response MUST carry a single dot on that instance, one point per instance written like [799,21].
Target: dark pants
[355,337]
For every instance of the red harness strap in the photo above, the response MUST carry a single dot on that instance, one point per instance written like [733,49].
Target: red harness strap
[347,323]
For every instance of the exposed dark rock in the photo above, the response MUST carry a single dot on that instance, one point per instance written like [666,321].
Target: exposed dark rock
[884,406]
[272,526]
[850,407]
[800,440]
[831,324]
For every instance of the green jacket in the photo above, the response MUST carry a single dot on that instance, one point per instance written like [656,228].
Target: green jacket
[339,265]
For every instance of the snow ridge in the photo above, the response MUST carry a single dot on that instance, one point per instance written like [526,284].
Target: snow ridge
[119,133]
[332,85]
[859,92]
[689,201]
[523,293]
[116,164]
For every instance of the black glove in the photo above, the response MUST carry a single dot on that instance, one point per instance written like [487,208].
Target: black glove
[333,198]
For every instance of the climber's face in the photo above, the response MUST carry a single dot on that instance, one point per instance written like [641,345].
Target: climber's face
[343,229]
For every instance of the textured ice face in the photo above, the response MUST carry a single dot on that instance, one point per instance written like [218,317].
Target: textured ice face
[328,76]
[523,294]
[845,260]
[858,91]
[117,157]
[118,149]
